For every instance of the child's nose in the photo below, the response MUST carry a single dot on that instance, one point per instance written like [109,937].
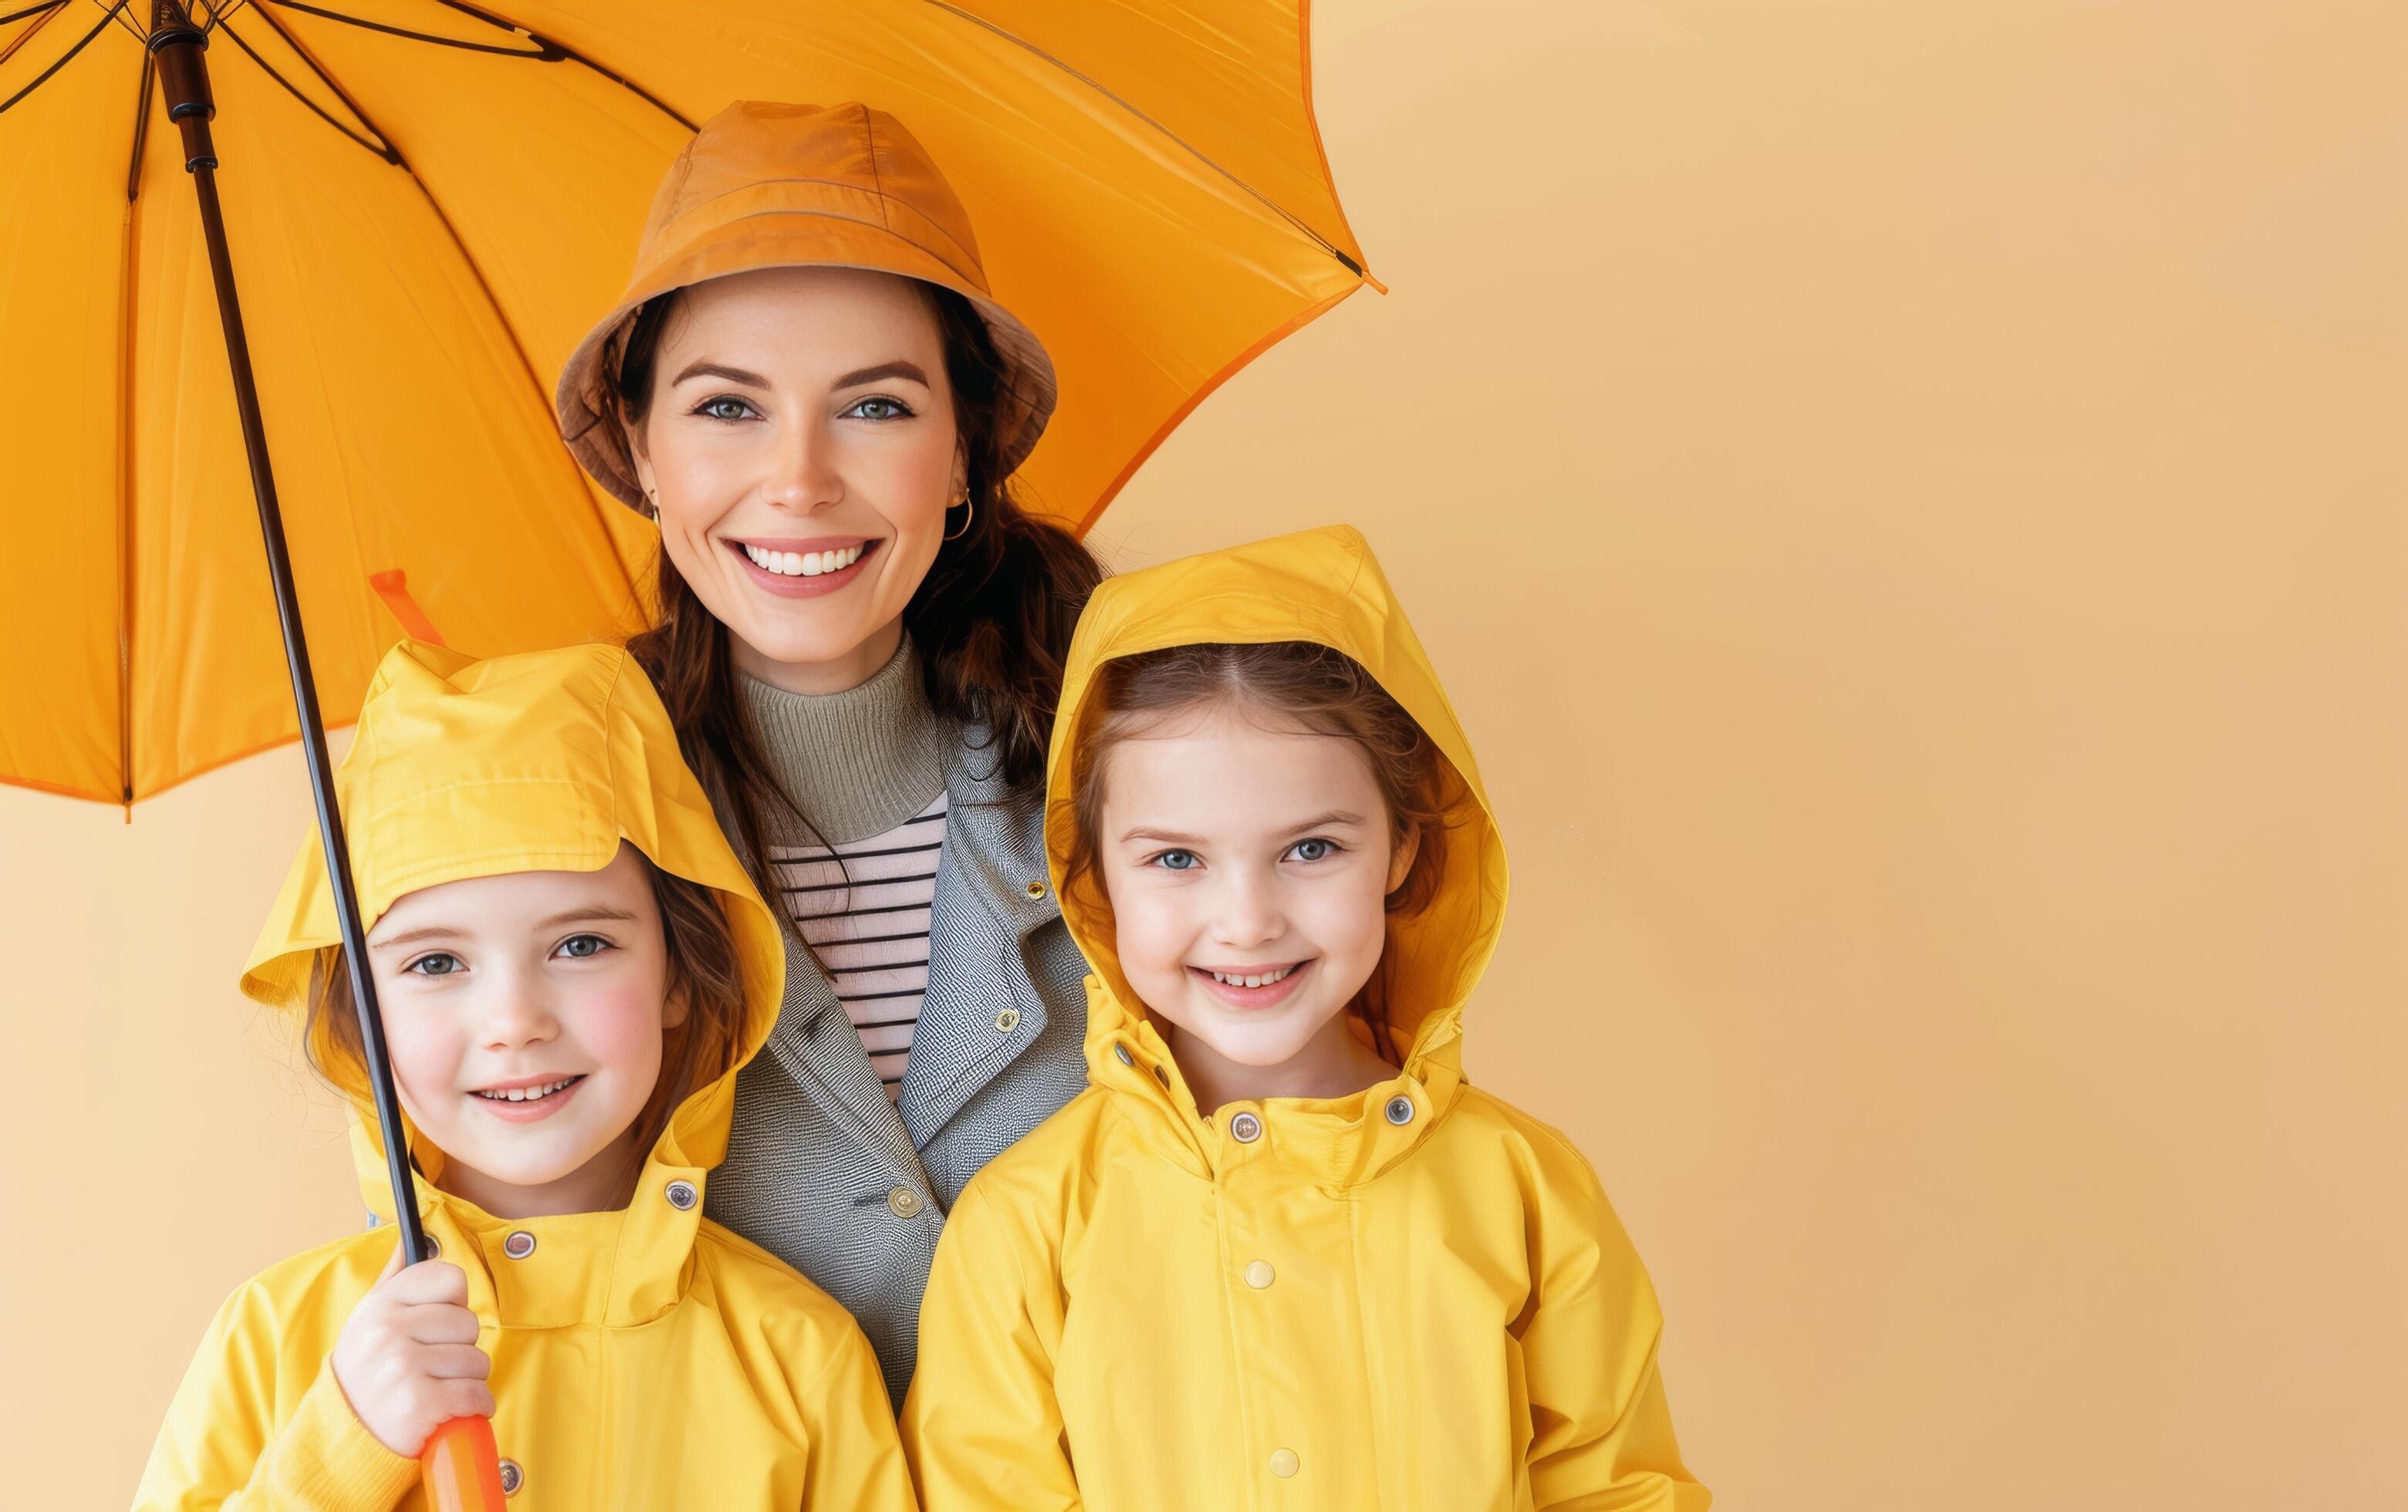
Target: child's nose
[1249,914]
[520,1017]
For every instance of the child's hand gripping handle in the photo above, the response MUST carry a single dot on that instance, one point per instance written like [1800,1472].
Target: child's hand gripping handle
[459,1470]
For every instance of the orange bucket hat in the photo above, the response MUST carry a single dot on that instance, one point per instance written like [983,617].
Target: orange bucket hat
[765,185]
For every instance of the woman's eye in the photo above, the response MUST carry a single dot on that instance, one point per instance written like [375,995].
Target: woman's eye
[1178,861]
[583,946]
[436,965]
[726,407]
[1314,849]
[879,408]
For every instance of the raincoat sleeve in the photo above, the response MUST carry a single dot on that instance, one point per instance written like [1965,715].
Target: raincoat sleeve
[980,1426]
[856,1462]
[1601,1435]
[238,1437]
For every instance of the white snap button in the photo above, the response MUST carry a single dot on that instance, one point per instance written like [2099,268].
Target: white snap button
[520,1245]
[1245,1128]
[1036,890]
[1284,1464]
[903,1202]
[1260,1274]
[1401,1111]
[512,1477]
[681,1195]
[1008,1021]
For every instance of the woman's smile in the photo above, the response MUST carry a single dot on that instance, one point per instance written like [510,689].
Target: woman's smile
[804,568]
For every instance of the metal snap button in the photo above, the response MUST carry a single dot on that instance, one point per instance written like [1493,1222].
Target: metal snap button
[1245,1128]
[433,1247]
[1260,1274]
[1401,1111]
[520,1245]
[1036,890]
[1008,1021]
[1161,1076]
[512,1477]
[903,1202]
[681,1195]
[1120,1053]
[1284,1464]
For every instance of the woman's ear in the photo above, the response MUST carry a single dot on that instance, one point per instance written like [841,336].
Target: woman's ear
[639,456]
[1400,859]
[960,487]
[676,1006]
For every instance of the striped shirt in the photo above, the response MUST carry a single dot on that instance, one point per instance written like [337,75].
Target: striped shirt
[863,908]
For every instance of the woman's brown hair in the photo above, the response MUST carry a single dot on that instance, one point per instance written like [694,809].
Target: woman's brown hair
[991,620]
[1318,687]
[704,973]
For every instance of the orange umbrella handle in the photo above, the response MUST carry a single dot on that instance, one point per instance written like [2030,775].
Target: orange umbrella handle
[460,1469]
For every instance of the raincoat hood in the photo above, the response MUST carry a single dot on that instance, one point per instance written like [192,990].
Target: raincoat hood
[1321,586]
[548,761]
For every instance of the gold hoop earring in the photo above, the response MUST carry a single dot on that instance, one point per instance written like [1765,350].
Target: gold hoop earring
[971,504]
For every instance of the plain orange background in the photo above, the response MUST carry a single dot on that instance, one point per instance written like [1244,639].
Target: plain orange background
[1908,498]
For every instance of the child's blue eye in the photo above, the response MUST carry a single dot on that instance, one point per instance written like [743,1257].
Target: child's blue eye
[1178,861]
[726,407]
[1313,850]
[888,408]
[435,964]
[583,946]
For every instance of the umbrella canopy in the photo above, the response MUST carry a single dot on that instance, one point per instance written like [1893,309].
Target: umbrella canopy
[428,201]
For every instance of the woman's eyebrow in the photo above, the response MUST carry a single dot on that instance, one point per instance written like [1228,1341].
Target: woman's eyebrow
[883,370]
[717,370]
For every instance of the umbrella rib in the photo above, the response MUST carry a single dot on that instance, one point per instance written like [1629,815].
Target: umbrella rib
[546,49]
[98,27]
[29,10]
[395,155]
[1098,85]
[125,434]
[383,150]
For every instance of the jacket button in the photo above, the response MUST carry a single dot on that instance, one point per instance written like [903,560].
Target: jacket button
[1260,1274]
[681,1195]
[1401,1111]
[1284,1464]
[1245,1128]
[1008,1021]
[512,1477]
[1120,1053]
[903,1202]
[520,1245]
[1036,890]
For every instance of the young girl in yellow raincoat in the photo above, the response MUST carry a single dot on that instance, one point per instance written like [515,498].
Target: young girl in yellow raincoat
[571,966]
[1281,1254]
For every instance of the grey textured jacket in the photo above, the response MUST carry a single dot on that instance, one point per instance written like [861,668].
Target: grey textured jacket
[844,1186]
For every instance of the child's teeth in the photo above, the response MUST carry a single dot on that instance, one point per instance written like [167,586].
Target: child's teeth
[1264,979]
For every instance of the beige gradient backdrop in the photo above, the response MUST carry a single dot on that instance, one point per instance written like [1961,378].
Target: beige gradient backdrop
[1908,497]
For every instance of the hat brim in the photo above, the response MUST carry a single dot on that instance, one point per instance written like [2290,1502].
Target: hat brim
[586,401]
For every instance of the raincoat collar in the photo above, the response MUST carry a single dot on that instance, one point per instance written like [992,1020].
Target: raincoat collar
[543,762]
[1321,586]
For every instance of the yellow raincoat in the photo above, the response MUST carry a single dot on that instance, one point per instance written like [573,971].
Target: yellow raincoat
[1414,1298]
[642,1359]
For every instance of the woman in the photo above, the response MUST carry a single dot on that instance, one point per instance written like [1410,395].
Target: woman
[860,641]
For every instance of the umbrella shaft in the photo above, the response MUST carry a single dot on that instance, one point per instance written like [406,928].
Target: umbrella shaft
[177,45]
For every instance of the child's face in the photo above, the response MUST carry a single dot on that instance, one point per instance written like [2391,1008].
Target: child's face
[524,1016]
[1233,852]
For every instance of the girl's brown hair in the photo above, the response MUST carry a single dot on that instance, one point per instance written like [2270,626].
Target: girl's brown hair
[991,620]
[704,973]
[1318,687]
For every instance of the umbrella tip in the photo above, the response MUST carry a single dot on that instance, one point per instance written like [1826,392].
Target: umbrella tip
[1377,287]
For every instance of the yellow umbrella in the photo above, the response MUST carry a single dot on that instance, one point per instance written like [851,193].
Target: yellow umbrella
[426,202]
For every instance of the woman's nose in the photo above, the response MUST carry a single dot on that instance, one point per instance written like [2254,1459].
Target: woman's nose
[803,474]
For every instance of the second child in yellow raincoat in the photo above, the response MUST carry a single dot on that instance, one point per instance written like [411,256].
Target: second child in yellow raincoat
[570,967]
[1281,1254]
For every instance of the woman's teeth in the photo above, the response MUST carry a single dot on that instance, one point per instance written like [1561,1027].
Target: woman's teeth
[1263,980]
[528,1094]
[805,564]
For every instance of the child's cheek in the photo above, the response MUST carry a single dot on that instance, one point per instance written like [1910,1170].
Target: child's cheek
[1152,939]
[425,1049]
[620,1027]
